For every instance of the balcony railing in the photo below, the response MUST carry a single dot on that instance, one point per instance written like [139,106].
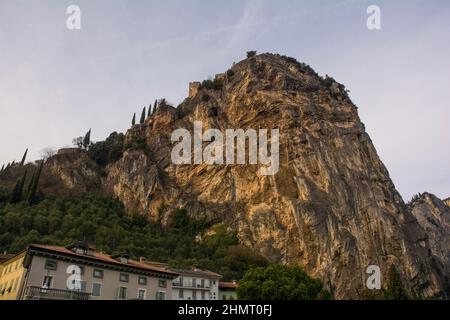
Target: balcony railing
[39,293]
[190,285]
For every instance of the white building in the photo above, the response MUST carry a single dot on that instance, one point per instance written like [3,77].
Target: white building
[192,284]
[195,284]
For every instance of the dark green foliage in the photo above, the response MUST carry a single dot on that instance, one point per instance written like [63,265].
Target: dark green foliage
[34,184]
[87,140]
[137,142]
[154,107]
[215,84]
[251,54]
[5,194]
[395,289]
[142,120]
[23,158]
[102,222]
[110,150]
[133,121]
[149,110]
[230,73]
[16,196]
[278,282]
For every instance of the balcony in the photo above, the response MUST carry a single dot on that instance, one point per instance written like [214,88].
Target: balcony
[189,285]
[39,293]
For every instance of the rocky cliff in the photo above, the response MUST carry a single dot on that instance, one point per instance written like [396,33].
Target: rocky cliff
[331,208]
[433,215]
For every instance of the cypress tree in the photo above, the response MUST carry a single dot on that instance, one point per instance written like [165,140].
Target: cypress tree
[16,196]
[149,110]
[156,105]
[30,184]
[24,157]
[15,192]
[87,139]
[133,121]
[142,116]
[34,183]
[3,168]
[395,289]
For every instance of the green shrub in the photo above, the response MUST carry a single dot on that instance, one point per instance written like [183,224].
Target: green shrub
[251,54]
[278,282]
[110,150]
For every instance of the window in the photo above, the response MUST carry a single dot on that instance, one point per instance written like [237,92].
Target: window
[160,295]
[181,293]
[202,283]
[194,295]
[47,283]
[162,283]
[98,273]
[83,286]
[142,281]
[181,281]
[194,282]
[122,293]
[51,264]
[96,289]
[203,295]
[141,294]
[124,277]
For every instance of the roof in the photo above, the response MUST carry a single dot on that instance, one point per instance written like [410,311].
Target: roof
[101,257]
[228,285]
[10,256]
[185,272]
[6,257]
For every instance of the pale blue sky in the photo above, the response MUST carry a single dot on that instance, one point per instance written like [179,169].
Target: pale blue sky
[55,84]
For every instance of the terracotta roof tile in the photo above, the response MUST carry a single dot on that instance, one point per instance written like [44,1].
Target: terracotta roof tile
[228,285]
[104,258]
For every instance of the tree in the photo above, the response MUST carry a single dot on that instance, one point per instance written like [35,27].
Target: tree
[34,183]
[142,116]
[87,140]
[395,289]
[24,158]
[16,196]
[149,110]
[155,106]
[279,282]
[110,150]
[78,142]
[47,153]
[133,121]
[251,54]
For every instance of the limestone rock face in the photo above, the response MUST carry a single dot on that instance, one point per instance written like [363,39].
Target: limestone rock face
[331,208]
[75,169]
[447,202]
[433,215]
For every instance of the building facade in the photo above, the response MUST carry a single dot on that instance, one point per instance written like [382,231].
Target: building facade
[228,290]
[11,275]
[195,284]
[78,272]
